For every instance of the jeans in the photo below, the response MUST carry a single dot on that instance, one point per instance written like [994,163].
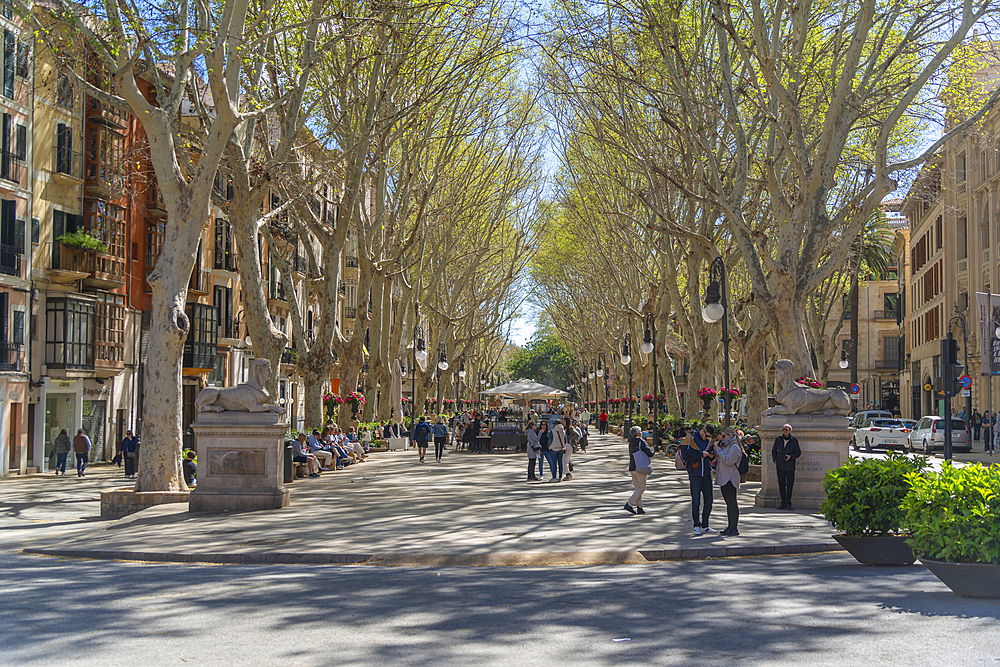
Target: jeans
[701,486]
[439,443]
[81,462]
[732,509]
[61,462]
[559,462]
[550,456]
[541,464]
[977,431]
[786,479]
[639,482]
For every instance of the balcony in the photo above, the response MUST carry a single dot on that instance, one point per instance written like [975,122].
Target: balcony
[154,202]
[350,312]
[351,261]
[342,288]
[199,285]
[68,263]
[10,260]
[67,167]
[107,271]
[887,364]
[885,315]
[289,356]
[986,256]
[13,170]
[11,358]
[963,265]
[229,329]
[105,114]
[300,264]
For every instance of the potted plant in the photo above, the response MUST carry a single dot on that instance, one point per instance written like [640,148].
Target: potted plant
[84,241]
[806,381]
[863,501]
[954,517]
[706,394]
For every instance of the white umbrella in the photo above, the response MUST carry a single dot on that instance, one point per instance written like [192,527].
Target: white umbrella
[396,392]
[527,390]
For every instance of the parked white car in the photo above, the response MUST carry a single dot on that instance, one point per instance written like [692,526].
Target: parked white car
[882,434]
[928,435]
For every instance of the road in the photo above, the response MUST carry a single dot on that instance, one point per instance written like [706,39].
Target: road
[808,610]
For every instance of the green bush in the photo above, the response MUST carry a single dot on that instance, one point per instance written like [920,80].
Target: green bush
[83,240]
[754,456]
[954,514]
[863,496]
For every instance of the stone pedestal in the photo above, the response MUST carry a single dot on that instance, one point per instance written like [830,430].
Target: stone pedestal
[240,458]
[825,445]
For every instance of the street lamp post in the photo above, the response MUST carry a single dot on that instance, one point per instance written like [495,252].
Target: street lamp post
[602,361]
[458,382]
[590,376]
[716,308]
[626,360]
[441,367]
[959,319]
[649,346]
[419,353]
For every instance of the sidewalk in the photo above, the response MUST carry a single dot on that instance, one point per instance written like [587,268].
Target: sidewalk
[470,510]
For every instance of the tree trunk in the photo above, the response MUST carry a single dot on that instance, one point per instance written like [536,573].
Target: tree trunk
[755,367]
[160,461]
[312,379]
[786,319]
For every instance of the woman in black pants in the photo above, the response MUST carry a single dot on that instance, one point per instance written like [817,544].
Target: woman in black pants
[784,452]
[728,454]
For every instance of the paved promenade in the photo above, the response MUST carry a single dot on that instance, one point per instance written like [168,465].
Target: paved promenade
[472,509]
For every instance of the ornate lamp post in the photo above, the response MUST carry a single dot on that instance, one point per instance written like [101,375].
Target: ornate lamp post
[716,307]
[847,353]
[419,354]
[461,376]
[441,366]
[626,360]
[648,346]
[590,376]
[602,361]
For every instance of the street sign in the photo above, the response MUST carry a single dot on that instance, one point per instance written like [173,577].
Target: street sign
[966,381]
[966,393]
[928,387]
[855,389]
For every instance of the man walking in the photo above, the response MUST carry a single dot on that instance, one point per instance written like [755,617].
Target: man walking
[697,453]
[81,447]
[422,434]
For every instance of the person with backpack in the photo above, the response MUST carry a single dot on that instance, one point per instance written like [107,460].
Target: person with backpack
[784,452]
[728,455]
[697,453]
[422,434]
[440,432]
[640,467]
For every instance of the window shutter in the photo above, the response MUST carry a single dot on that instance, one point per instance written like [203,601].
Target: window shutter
[220,243]
[73,222]
[4,308]
[8,217]
[9,56]
[229,313]
[5,147]
[21,145]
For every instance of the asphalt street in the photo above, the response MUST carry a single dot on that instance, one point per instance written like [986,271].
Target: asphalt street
[803,610]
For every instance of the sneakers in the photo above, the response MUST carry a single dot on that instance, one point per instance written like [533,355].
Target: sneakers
[421,460]
[315,474]
[629,508]
[697,530]
[708,530]
[568,477]
[639,510]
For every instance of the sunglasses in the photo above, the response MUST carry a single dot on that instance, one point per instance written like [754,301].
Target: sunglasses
[786,430]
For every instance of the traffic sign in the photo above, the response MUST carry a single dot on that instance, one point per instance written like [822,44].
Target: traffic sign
[966,381]
[928,387]
[966,393]
[855,389]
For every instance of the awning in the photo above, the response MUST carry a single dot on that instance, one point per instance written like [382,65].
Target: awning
[525,390]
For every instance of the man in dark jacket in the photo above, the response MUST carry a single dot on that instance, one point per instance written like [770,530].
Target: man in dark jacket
[697,452]
[422,434]
[81,447]
[783,453]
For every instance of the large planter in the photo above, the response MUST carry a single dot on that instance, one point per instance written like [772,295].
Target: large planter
[970,580]
[878,549]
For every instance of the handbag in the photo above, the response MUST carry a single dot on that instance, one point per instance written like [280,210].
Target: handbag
[643,465]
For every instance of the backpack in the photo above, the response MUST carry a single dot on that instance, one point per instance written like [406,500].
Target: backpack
[743,467]
[422,431]
[679,460]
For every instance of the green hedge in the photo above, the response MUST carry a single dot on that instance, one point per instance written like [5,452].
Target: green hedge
[954,514]
[864,496]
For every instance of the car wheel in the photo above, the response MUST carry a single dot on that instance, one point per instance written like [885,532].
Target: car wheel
[927,448]
[868,445]
[908,447]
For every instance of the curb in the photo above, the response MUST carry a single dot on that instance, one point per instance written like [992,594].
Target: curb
[447,560]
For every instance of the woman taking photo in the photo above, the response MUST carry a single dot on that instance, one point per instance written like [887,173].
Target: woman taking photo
[534,451]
